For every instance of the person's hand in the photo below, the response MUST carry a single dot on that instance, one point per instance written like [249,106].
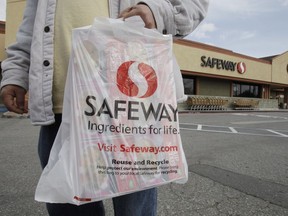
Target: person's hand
[13,97]
[141,10]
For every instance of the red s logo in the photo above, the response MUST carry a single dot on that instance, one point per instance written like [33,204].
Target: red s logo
[130,79]
[241,67]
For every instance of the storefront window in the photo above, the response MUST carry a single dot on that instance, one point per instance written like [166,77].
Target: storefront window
[189,85]
[246,90]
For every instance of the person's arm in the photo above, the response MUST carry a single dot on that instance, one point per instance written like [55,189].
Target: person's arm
[15,68]
[177,17]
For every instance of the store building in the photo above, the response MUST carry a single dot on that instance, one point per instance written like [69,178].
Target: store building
[2,40]
[2,43]
[2,48]
[215,72]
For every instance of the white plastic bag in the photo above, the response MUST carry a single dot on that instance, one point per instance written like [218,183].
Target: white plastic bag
[120,131]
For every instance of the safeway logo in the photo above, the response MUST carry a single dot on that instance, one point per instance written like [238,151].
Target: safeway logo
[136,79]
[241,67]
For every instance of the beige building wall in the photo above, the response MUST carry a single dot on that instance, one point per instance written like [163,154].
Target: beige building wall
[189,59]
[14,15]
[280,69]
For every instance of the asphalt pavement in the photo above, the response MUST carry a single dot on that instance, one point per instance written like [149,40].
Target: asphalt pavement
[238,166]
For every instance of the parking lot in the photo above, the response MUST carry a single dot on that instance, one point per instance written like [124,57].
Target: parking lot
[238,165]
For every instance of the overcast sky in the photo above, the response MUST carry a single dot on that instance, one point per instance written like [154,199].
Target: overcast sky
[251,27]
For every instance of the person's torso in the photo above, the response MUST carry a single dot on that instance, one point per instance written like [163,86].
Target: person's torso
[70,14]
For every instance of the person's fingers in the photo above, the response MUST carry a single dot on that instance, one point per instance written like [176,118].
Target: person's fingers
[141,10]
[125,13]
[13,98]
[20,99]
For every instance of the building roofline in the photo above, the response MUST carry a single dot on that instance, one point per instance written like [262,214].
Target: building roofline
[278,56]
[218,49]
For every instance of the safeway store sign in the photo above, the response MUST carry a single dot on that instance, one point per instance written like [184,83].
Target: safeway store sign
[221,64]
